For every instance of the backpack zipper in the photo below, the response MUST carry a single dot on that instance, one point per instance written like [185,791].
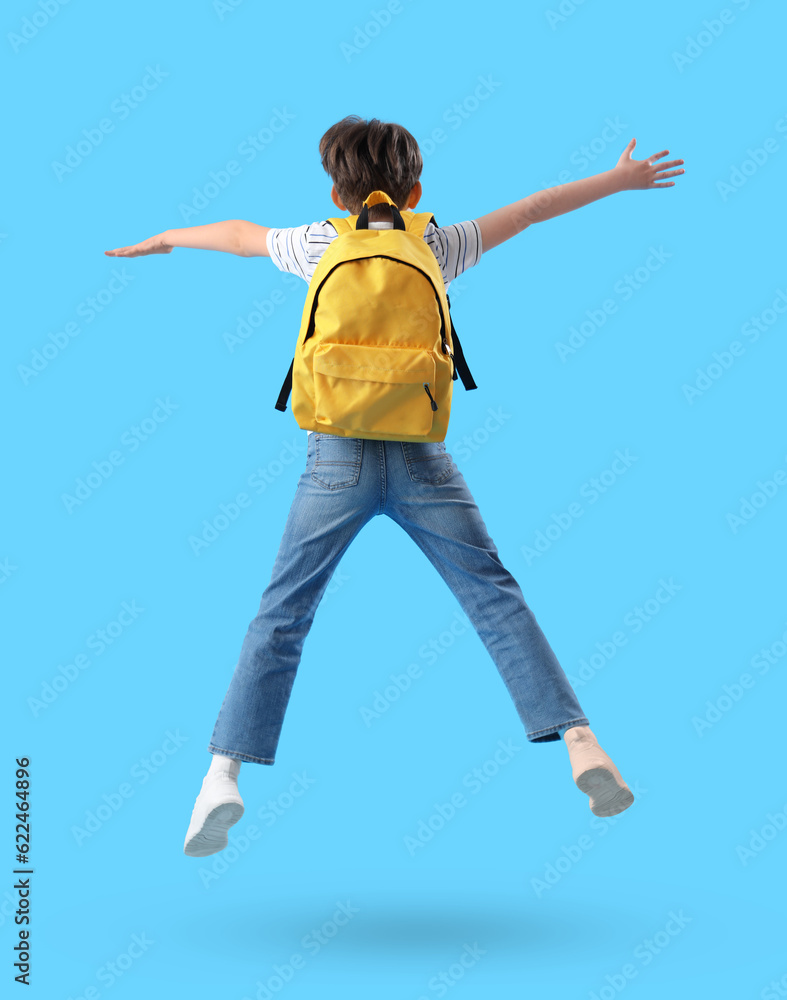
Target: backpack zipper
[426,386]
[443,341]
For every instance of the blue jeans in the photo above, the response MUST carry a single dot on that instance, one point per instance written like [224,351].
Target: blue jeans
[347,481]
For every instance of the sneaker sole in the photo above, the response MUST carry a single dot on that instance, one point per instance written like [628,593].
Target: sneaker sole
[608,798]
[212,836]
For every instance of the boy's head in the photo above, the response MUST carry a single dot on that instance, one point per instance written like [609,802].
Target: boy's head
[364,156]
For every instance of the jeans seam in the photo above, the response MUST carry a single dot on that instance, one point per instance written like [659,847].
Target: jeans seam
[242,756]
[551,729]
[381,446]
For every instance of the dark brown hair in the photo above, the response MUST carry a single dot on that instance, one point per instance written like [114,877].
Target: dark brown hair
[364,156]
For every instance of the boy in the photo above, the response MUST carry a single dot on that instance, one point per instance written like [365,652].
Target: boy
[347,481]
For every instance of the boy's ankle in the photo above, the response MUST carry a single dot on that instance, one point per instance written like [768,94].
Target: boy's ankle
[582,733]
[225,766]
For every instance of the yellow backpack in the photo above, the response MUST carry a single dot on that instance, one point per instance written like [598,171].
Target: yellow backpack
[377,353]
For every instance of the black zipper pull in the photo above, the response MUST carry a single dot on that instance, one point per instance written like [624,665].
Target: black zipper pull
[426,386]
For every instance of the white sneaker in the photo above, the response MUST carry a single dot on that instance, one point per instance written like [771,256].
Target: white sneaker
[217,807]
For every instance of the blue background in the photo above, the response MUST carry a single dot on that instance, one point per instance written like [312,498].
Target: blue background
[705,793]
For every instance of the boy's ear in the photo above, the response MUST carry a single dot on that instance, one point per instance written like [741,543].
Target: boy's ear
[337,200]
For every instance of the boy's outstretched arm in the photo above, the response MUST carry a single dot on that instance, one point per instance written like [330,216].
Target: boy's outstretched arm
[627,175]
[246,239]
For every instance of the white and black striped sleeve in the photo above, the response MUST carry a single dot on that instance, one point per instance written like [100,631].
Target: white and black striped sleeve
[298,250]
[456,247]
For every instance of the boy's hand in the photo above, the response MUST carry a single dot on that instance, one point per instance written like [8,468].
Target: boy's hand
[641,174]
[156,244]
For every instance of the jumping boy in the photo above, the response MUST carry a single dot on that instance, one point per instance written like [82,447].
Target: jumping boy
[347,481]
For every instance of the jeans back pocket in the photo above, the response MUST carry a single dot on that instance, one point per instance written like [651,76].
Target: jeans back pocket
[337,461]
[427,461]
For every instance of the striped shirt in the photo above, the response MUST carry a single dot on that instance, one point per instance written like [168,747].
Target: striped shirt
[298,250]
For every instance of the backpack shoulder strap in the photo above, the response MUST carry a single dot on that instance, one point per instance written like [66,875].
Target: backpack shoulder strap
[417,222]
[459,358]
[344,224]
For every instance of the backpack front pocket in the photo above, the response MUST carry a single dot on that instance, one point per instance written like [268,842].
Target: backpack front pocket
[377,390]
